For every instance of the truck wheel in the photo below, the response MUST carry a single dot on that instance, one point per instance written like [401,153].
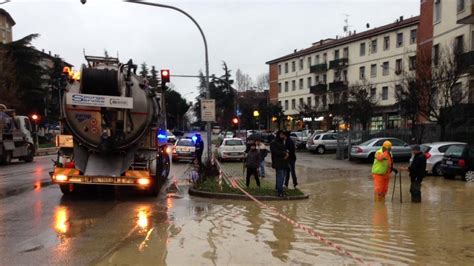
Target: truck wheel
[65,189]
[154,188]
[320,150]
[31,154]
[437,170]
[7,157]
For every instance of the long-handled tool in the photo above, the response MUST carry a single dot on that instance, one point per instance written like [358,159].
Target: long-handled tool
[399,175]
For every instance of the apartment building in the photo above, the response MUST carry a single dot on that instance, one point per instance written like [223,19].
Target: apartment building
[446,25]
[6,25]
[322,74]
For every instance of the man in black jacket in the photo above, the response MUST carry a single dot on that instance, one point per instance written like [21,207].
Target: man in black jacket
[279,160]
[417,170]
[290,146]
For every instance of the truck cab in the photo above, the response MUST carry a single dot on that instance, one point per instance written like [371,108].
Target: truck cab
[16,141]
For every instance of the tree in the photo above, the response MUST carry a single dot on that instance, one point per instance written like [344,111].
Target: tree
[263,82]
[276,112]
[243,81]
[27,73]
[143,70]
[8,82]
[154,79]
[361,105]
[176,108]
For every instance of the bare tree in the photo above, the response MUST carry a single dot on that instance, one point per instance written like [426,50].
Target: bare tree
[9,92]
[263,82]
[361,104]
[243,81]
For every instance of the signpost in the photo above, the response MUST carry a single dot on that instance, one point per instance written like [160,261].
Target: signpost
[208,110]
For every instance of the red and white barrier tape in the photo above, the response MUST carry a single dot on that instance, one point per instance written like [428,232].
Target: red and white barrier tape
[310,231]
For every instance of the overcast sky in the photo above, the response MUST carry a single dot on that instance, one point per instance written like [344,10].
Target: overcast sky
[245,34]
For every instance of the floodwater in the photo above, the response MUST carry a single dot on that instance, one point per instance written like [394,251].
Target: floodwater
[42,228]
[222,232]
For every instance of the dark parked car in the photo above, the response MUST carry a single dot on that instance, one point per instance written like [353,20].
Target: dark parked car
[457,161]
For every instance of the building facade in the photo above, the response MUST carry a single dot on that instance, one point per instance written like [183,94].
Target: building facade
[322,74]
[6,26]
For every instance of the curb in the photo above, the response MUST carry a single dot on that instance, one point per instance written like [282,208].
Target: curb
[46,151]
[212,195]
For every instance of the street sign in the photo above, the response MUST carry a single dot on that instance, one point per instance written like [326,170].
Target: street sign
[208,110]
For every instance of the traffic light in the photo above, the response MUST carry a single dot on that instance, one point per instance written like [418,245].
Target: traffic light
[235,121]
[165,76]
[35,117]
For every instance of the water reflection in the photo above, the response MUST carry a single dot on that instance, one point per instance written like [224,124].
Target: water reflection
[380,220]
[284,233]
[143,217]
[61,221]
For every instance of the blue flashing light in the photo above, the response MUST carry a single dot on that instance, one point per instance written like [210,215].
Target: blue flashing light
[162,135]
[194,138]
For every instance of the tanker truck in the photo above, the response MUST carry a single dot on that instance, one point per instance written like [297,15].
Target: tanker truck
[112,129]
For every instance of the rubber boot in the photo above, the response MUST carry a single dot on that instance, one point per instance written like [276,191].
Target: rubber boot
[379,197]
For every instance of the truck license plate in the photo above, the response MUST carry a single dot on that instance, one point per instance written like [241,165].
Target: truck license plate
[449,162]
[103,180]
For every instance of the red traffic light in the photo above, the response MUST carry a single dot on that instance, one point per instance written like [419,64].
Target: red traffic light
[235,121]
[165,76]
[35,117]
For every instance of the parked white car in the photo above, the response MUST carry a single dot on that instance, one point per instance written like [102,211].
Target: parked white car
[434,153]
[231,149]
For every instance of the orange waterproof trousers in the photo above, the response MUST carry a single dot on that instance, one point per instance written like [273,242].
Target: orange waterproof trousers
[381,183]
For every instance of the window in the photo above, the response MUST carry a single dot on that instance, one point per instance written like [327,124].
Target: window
[373,46]
[373,70]
[286,86]
[386,43]
[413,36]
[317,79]
[345,53]
[279,87]
[459,44]
[336,54]
[293,66]
[437,11]
[293,85]
[384,93]
[309,61]
[398,66]
[286,104]
[317,60]
[300,85]
[344,75]
[325,58]
[301,102]
[373,92]
[309,81]
[301,64]
[279,103]
[400,39]
[316,101]
[328,137]
[324,100]
[398,90]
[293,104]
[412,63]
[460,5]
[385,67]
[325,79]
[308,101]
[286,67]
[279,69]
[362,72]
[436,54]
[362,49]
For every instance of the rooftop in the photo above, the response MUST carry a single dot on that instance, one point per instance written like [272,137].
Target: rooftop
[329,43]
[6,14]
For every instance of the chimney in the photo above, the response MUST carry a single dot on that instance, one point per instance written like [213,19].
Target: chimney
[354,32]
[294,51]
[401,18]
[321,42]
[49,52]
[42,50]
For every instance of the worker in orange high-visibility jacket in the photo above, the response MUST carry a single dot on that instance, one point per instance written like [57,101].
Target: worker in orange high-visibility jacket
[381,170]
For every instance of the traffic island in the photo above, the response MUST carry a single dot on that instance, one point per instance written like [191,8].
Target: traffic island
[212,188]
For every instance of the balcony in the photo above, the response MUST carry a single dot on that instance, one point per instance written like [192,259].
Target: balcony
[318,68]
[466,15]
[318,88]
[338,86]
[338,63]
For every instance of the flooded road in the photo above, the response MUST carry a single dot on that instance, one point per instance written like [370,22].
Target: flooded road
[42,227]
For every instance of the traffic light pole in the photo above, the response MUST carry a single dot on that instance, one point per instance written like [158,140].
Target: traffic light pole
[208,92]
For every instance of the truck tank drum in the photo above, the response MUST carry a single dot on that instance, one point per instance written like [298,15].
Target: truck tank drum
[104,128]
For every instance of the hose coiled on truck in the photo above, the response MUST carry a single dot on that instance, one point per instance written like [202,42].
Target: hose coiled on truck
[100,82]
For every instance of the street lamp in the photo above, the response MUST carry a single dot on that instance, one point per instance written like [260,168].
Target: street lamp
[35,118]
[206,55]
